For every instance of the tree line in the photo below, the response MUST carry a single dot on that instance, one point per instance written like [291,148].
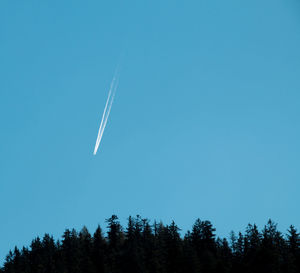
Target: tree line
[142,247]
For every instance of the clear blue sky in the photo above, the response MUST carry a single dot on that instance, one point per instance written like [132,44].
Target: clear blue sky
[205,121]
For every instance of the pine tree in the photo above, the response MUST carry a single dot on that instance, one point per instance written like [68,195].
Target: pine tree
[224,256]
[270,256]
[8,264]
[71,252]
[132,258]
[99,248]
[252,241]
[293,240]
[36,259]
[191,261]
[85,251]
[149,248]
[48,254]
[203,240]
[115,238]
[173,244]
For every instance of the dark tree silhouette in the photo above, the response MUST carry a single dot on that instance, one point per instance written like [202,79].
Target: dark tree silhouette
[99,248]
[158,248]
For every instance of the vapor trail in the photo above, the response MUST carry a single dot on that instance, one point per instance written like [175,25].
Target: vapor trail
[109,101]
[103,116]
[108,111]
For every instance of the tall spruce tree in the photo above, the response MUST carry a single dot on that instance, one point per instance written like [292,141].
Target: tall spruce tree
[85,251]
[115,237]
[99,248]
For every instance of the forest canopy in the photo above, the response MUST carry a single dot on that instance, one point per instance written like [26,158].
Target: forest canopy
[141,247]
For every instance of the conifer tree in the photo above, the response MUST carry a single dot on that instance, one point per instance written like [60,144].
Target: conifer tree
[85,251]
[99,248]
[173,244]
[293,240]
[203,240]
[70,251]
[115,239]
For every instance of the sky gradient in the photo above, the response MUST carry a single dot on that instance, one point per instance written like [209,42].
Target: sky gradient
[205,121]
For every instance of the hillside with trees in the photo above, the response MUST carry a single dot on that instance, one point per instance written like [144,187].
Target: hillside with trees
[141,247]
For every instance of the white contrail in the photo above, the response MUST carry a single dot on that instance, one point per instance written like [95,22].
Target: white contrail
[109,101]
[108,111]
[103,116]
